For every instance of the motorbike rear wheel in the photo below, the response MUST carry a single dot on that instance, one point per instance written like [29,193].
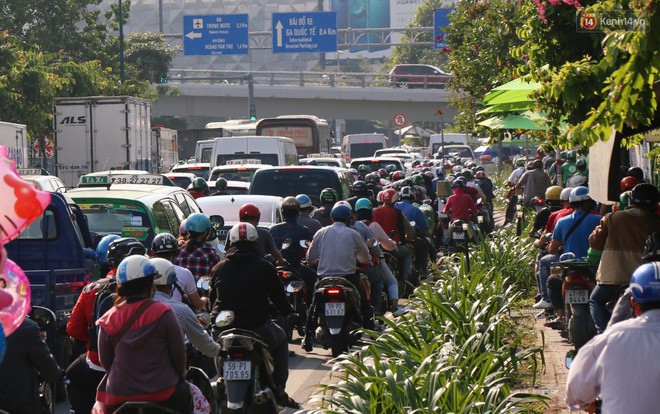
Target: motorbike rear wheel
[581,328]
[338,344]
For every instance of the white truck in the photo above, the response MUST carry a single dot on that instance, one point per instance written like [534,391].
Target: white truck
[14,137]
[164,149]
[98,133]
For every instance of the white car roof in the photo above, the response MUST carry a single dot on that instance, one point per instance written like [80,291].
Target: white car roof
[227,206]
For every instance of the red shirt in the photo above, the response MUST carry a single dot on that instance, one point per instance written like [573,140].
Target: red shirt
[386,216]
[555,216]
[460,205]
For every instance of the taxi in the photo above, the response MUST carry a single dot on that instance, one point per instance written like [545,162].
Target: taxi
[132,205]
[236,171]
[200,169]
[42,180]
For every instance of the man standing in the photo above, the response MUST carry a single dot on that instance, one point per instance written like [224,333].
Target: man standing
[618,365]
[513,194]
[534,183]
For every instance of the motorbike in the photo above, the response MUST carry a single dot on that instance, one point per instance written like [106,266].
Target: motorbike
[579,280]
[245,370]
[338,314]
[295,289]
[47,322]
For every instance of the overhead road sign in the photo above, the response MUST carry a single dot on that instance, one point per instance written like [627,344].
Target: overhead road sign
[440,23]
[216,34]
[309,32]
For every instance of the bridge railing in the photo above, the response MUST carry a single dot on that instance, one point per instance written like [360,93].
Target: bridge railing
[293,78]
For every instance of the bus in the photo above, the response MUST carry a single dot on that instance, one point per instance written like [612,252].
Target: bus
[235,127]
[310,133]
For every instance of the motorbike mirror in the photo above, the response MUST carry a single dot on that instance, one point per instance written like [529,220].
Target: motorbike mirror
[44,317]
[204,283]
[224,318]
[570,356]
[305,244]
[286,244]
[221,248]
[213,234]
[217,221]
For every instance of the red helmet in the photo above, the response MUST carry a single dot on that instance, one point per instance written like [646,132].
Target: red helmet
[628,183]
[480,175]
[390,196]
[398,175]
[248,211]
[447,166]
[382,172]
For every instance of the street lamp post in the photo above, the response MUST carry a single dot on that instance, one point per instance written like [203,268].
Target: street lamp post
[122,72]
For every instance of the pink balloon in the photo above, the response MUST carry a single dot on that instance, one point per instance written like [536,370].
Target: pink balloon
[17,285]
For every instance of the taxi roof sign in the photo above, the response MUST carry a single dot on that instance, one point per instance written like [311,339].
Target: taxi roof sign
[108,180]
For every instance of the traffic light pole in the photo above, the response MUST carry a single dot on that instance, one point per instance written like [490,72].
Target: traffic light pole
[252,108]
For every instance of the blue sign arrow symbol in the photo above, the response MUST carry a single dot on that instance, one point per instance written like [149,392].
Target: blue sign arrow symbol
[194,35]
[278,28]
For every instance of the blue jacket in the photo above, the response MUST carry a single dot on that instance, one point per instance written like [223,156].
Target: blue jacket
[413,213]
[290,229]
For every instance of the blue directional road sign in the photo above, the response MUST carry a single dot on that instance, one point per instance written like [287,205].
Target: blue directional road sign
[216,34]
[440,23]
[312,32]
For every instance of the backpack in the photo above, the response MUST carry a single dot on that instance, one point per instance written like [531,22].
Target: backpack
[104,300]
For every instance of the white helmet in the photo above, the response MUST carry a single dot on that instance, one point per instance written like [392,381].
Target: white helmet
[166,272]
[579,194]
[243,232]
[135,267]
[565,194]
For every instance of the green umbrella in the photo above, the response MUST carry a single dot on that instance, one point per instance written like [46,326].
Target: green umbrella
[525,121]
[515,91]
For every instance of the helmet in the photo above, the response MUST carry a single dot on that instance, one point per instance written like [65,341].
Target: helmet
[340,211]
[645,195]
[458,183]
[581,165]
[221,184]
[390,196]
[407,192]
[390,168]
[359,187]
[480,175]
[102,248]
[471,164]
[553,193]
[362,204]
[397,175]
[450,177]
[537,164]
[429,174]
[645,283]
[379,196]
[652,248]
[304,200]
[447,166]
[382,172]
[578,180]
[134,268]
[467,174]
[579,194]
[166,273]
[329,195]
[562,155]
[417,179]
[637,173]
[479,168]
[520,162]
[628,183]
[199,184]
[362,168]
[198,223]
[249,210]
[243,232]
[290,203]
[372,178]
[571,156]
[122,248]
[565,194]
[164,243]
[457,169]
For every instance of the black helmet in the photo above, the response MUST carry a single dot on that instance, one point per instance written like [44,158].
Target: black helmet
[120,249]
[164,243]
[221,184]
[372,178]
[645,195]
[359,187]
[637,173]
[200,184]
[290,204]
[652,248]
[537,164]
[467,174]
[329,196]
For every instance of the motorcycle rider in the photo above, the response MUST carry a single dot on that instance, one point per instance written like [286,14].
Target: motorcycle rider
[420,243]
[513,194]
[534,183]
[26,354]
[334,250]
[569,168]
[328,199]
[459,206]
[553,203]
[305,210]
[621,236]
[581,176]
[249,213]
[199,188]
[359,190]
[220,187]
[617,366]
[165,246]
[196,254]
[85,372]
[290,229]
[246,284]
[102,254]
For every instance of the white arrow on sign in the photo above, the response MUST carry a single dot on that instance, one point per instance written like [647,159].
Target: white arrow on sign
[279,28]
[194,35]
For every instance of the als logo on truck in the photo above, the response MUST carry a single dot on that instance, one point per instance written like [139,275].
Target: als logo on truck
[74,120]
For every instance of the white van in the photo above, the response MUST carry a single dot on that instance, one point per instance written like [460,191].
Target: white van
[362,145]
[436,140]
[203,150]
[276,151]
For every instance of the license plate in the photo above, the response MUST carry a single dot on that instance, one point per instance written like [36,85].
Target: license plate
[577,296]
[458,236]
[236,370]
[335,309]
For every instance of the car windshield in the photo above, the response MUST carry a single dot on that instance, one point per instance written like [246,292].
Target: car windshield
[124,219]
[364,150]
[233,175]
[292,182]
[182,182]
[375,166]
[198,171]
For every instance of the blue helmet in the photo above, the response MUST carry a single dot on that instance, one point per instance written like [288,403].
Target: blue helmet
[304,200]
[340,211]
[102,248]
[198,223]
[578,194]
[363,204]
[645,283]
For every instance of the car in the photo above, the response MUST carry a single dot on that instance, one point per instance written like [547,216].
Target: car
[464,152]
[228,206]
[375,164]
[233,187]
[303,179]
[323,161]
[42,180]
[418,76]
[387,152]
[408,158]
[200,169]
[235,172]
[133,210]
[180,179]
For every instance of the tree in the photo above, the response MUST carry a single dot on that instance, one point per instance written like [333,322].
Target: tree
[148,56]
